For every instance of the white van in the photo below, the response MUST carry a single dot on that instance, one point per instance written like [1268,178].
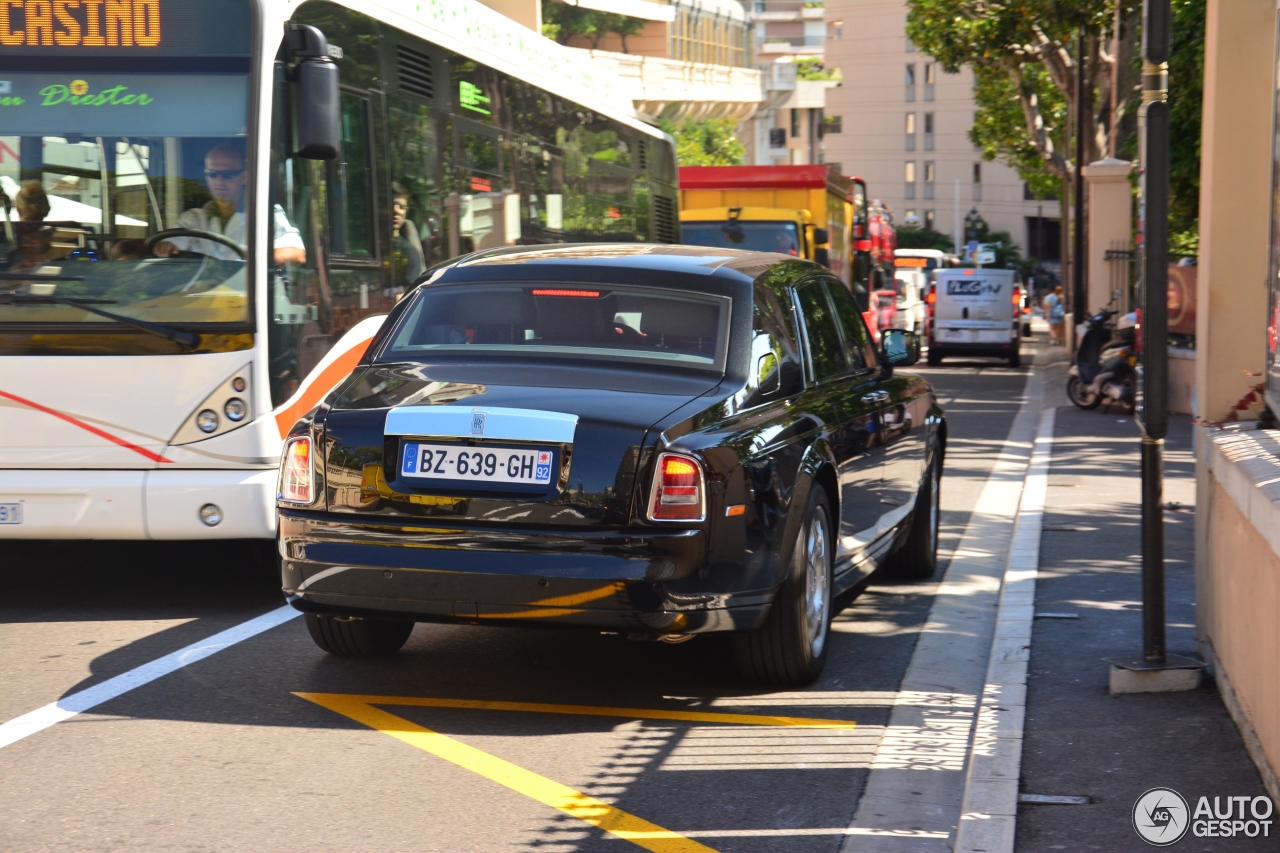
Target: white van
[911,286]
[975,312]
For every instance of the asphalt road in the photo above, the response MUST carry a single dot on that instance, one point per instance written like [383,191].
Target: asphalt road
[224,755]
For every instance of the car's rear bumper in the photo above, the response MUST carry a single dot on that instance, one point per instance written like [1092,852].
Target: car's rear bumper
[643,582]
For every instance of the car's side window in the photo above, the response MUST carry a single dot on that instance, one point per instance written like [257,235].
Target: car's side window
[858,348]
[774,367]
[822,336]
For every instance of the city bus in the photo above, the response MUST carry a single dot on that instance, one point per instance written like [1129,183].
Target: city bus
[210,205]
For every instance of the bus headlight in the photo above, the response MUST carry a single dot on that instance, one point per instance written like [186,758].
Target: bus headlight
[207,420]
[229,407]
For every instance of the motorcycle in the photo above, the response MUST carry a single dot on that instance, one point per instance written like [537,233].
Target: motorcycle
[1105,364]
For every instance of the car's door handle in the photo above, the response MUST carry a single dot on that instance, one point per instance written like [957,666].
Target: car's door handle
[875,397]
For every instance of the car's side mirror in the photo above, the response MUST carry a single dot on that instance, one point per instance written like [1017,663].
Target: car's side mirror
[900,347]
[319,110]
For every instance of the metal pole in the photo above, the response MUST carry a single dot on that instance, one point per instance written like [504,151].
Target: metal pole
[1078,265]
[956,227]
[1152,550]
[1153,124]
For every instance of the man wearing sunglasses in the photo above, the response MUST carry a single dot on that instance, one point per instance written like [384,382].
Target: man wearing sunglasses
[225,175]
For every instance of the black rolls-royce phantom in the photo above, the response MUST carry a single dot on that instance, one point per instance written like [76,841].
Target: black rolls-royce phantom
[650,440]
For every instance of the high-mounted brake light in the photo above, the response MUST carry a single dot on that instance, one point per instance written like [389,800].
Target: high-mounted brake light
[677,489]
[296,472]
[585,294]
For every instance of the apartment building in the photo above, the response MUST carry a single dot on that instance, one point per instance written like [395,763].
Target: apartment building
[904,129]
[691,58]
[788,128]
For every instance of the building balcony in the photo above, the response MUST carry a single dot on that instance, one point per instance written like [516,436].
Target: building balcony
[809,14]
[786,48]
[674,89]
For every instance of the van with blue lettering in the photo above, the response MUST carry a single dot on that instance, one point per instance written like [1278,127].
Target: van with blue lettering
[975,313]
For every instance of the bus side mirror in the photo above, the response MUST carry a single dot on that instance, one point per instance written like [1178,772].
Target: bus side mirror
[820,236]
[319,111]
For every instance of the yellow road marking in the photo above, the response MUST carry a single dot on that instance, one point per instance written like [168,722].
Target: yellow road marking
[600,814]
[588,711]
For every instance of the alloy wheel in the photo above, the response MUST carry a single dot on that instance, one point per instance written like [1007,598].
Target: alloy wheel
[817,567]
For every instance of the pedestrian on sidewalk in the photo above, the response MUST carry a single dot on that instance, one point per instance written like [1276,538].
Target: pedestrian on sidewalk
[1055,311]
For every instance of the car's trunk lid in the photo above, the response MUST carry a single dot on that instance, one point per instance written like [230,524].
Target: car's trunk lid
[554,445]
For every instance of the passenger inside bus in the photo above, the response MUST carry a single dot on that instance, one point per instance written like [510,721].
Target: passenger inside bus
[32,239]
[225,175]
[406,247]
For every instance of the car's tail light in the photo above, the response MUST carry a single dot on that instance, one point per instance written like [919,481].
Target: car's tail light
[677,489]
[932,297]
[296,472]
[1017,302]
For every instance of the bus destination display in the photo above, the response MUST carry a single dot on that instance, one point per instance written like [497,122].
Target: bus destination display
[124,27]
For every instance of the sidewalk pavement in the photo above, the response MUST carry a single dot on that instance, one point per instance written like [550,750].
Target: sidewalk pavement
[1079,740]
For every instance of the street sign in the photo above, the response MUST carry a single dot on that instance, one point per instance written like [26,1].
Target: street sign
[986,257]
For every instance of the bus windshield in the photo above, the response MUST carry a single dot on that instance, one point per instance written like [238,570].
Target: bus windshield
[123,179]
[751,236]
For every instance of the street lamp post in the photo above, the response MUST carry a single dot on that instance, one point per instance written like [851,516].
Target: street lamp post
[1156,670]
[974,225]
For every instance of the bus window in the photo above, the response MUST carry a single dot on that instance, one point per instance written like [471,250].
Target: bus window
[351,222]
[413,132]
[314,298]
[141,207]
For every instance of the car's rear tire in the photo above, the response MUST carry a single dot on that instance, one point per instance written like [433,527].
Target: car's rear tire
[917,559]
[934,358]
[791,646]
[1015,360]
[358,638]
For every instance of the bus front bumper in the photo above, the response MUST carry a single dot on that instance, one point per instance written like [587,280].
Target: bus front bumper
[146,504]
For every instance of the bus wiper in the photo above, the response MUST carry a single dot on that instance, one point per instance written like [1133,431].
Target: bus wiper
[185,339]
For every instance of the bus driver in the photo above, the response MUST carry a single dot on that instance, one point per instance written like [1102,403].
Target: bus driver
[225,175]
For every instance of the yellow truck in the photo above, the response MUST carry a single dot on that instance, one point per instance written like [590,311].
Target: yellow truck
[811,212]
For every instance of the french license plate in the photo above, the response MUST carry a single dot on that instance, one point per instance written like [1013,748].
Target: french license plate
[955,334]
[10,513]
[475,464]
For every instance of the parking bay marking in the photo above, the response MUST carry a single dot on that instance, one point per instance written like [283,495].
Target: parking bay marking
[69,706]
[588,809]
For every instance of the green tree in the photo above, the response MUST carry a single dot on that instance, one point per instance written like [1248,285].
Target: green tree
[563,23]
[1022,53]
[919,237]
[706,142]
[1022,56]
[813,68]
[1186,90]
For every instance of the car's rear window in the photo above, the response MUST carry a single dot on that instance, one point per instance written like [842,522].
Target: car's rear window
[573,321]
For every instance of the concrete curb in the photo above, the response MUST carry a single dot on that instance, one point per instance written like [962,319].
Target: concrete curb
[990,806]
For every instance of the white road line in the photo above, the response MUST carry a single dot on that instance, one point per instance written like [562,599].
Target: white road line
[68,706]
[989,814]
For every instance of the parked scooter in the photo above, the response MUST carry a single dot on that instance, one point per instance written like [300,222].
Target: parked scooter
[1104,369]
